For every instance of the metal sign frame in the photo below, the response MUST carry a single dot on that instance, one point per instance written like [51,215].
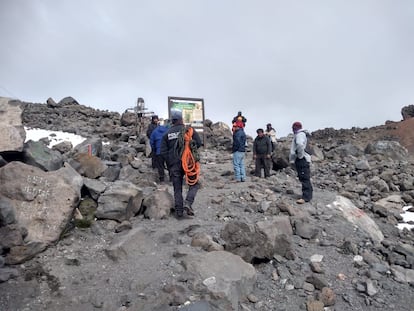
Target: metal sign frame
[193,111]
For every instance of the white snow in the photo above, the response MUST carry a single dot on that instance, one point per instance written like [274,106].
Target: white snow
[407,216]
[55,137]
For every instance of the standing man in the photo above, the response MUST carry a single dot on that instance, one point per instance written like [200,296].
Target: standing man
[302,161]
[155,141]
[173,158]
[239,117]
[271,133]
[151,127]
[238,150]
[262,150]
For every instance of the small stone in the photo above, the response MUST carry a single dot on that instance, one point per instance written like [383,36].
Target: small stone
[314,305]
[341,276]
[308,287]
[316,258]
[316,267]
[252,298]
[327,296]
[210,281]
[275,275]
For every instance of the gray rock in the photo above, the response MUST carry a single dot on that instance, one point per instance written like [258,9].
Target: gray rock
[233,278]
[37,194]
[358,218]
[402,275]
[88,165]
[7,214]
[38,154]
[318,281]
[389,149]
[117,201]
[12,133]
[157,205]
[7,274]
[95,187]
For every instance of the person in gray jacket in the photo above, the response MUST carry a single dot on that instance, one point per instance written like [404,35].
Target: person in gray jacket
[302,161]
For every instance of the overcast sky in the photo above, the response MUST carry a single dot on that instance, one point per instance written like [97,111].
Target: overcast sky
[326,63]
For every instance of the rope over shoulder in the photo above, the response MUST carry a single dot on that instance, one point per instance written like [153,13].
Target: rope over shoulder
[190,163]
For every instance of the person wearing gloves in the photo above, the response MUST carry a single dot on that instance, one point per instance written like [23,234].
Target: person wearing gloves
[302,161]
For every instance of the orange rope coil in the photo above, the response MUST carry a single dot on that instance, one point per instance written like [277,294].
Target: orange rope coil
[191,167]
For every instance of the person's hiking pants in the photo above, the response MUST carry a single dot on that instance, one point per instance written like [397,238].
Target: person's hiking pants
[160,166]
[262,162]
[177,176]
[303,169]
[238,165]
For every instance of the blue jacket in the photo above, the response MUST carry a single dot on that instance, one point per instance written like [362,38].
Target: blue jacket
[156,137]
[239,141]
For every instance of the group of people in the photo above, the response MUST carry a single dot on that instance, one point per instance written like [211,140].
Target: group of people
[263,146]
[163,140]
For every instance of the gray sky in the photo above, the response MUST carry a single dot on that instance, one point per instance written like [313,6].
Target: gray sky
[326,63]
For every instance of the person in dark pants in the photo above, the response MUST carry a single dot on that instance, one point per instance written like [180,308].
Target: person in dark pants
[174,164]
[151,127]
[155,141]
[262,151]
[302,161]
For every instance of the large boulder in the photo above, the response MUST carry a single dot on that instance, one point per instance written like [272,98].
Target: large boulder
[260,242]
[158,204]
[88,165]
[43,204]
[38,154]
[225,278]
[388,149]
[358,218]
[12,133]
[120,201]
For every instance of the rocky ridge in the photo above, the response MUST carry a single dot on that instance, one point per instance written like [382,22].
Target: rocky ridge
[92,231]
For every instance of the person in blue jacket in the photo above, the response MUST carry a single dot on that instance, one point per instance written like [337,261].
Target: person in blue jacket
[155,141]
[238,150]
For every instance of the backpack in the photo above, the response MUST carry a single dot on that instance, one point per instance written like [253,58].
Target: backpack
[309,144]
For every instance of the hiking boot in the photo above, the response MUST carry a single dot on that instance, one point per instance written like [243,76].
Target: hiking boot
[300,201]
[179,215]
[188,209]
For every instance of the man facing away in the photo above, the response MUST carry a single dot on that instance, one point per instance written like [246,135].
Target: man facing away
[155,141]
[151,127]
[238,150]
[302,161]
[175,167]
[262,150]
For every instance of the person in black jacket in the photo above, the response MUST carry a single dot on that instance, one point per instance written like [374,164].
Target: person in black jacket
[175,167]
[262,150]
[239,149]
[239,117]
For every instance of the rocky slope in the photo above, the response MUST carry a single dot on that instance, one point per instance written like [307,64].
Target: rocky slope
[249,247]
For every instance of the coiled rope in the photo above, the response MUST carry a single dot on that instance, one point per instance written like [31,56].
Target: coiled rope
[190,165]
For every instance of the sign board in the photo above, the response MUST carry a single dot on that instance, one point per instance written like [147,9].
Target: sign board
[192,110]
